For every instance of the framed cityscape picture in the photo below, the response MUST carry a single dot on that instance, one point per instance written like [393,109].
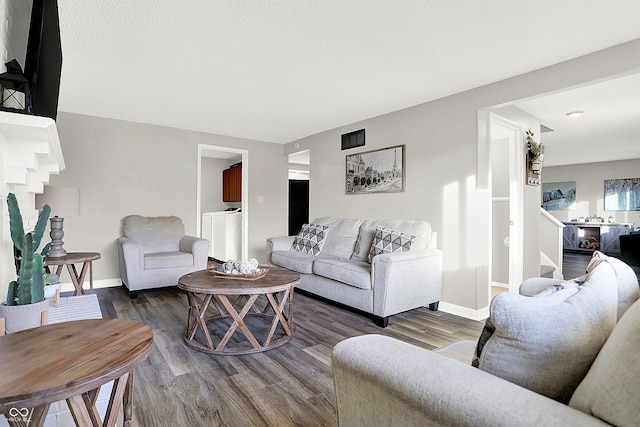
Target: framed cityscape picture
[559,196]
[622,194]
[378,171]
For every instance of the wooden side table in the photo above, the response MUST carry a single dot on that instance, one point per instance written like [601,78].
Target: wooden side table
[70,260]
[71,361]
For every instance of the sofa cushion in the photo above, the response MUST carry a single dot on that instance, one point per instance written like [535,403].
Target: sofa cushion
[387,241]
[294,260]
[342,239]
[351,272]
[547,344]
[155,234]
[626,279]
[420,229]
[310,239]
[611,388]
[167,260]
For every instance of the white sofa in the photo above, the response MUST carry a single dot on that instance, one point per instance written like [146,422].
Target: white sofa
[154,252]
[570,375]
[391,283]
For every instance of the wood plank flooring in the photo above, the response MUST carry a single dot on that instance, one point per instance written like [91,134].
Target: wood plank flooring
[287,386]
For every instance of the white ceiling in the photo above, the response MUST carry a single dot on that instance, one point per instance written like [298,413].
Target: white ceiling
[279,70]
[608,130]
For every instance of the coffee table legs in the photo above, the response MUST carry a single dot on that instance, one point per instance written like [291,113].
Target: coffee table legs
[197,321]
[83,407]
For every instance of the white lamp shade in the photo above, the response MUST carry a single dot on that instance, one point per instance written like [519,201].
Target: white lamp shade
[64,201]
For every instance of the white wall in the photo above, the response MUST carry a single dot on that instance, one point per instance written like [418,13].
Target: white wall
[589,180]
[125,168]
[443,185]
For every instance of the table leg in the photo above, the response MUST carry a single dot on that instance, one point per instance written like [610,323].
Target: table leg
[79,412]
[278,316]
[238,321]
[197,318]
[83,274]
[71,268]
[118,397]
[127,401]
[90,277]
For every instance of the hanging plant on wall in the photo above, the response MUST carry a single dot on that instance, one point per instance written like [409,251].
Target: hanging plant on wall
[536,152]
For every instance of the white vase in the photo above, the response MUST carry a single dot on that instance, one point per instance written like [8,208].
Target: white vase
[20,317]
[50,290]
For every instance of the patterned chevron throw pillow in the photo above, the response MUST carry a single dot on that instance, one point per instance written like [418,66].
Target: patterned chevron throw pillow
[310,239]
[386,241]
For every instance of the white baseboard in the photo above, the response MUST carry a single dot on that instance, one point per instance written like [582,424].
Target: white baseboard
[500,285]
[97,284]
[466,312]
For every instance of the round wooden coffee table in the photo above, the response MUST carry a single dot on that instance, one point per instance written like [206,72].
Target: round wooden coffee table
[239,307]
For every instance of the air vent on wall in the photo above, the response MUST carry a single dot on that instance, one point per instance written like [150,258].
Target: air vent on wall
[353,139]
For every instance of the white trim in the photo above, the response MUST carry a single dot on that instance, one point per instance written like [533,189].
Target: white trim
[465,312]
[516,197]
[500,285]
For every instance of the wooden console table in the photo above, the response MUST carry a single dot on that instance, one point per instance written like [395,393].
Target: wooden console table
[71,361]
[70,260]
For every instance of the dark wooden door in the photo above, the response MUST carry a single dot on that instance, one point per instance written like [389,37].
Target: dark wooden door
[298,205]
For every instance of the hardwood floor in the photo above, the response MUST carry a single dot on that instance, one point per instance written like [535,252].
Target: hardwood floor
[287,386]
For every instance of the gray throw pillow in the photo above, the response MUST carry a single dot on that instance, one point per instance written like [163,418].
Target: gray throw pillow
[547,344]
[611,388]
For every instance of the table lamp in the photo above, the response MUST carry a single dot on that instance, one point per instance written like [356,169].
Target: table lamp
[64,201]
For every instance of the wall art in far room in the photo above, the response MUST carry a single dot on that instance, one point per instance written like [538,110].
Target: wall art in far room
[559,196]
[622,194]
[378,171]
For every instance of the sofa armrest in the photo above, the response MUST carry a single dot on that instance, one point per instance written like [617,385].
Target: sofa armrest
[405,280]
[198,247]
[535,285]
[383,381]
[281,243]
[131,259]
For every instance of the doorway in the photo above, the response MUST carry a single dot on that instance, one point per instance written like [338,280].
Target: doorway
[298,205]
[298,190]
[218,152]
[507,217]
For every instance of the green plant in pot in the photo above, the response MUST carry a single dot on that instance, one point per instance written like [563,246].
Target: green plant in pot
[26,293]
[536,152]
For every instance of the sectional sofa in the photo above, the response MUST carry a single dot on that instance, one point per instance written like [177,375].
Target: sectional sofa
[559,354]
[378,267]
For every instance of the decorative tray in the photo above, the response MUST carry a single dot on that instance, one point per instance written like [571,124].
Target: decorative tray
[261,272]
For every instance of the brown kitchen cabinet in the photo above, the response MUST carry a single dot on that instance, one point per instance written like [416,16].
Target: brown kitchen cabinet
[232,184]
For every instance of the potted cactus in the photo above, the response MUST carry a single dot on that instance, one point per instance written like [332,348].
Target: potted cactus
[25,298]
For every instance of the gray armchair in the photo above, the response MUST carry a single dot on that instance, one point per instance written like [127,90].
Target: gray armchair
[155,252]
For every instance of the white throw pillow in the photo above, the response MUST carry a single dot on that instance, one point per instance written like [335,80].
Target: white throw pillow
[547,344]
[310,239]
